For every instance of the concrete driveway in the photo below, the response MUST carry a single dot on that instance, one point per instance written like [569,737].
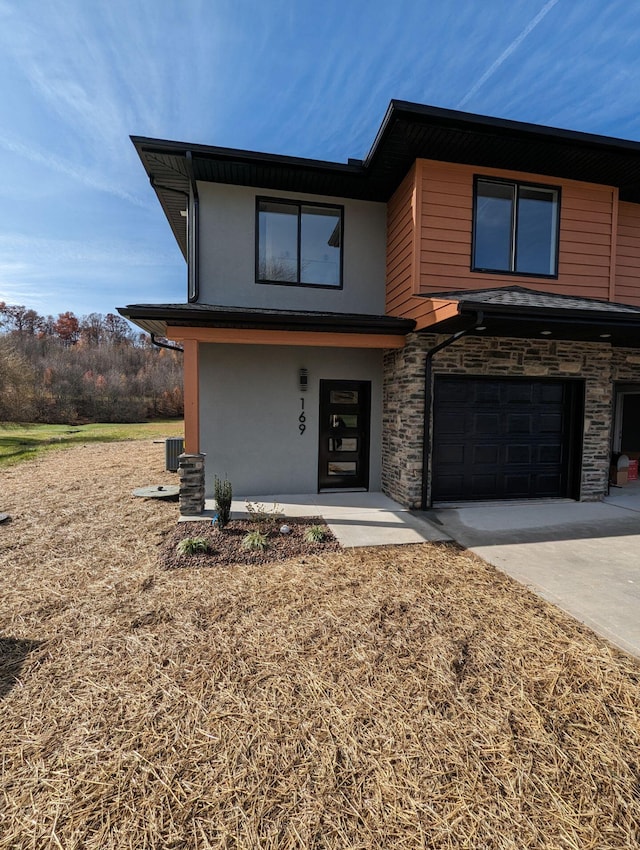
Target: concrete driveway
[583,557]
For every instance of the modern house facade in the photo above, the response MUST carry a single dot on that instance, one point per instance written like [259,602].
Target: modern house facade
[457,317]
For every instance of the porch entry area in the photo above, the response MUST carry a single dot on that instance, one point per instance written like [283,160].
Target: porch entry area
[344,424]
[506,438]
[626,429]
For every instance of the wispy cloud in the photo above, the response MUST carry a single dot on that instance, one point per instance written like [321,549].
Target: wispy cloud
[27,251]
[77,82]
[96,75]
[86,176]
[507,52]
[51,275]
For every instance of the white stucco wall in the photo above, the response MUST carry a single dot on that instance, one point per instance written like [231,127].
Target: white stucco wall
[249,409]
[227,254]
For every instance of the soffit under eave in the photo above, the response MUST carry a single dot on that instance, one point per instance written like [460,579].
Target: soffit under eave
[170,180]
[584,328]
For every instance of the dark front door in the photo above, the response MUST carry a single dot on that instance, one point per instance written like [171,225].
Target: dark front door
[343,456]
[505,438]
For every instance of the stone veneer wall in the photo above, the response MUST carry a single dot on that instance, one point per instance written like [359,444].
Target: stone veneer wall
[191,475]
[625,365]
[403,398]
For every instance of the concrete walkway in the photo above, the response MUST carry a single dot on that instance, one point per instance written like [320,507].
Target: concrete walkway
[583,557]
[356,519]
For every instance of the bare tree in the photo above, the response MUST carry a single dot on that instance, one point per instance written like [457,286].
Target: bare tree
[16,384]
[90,369]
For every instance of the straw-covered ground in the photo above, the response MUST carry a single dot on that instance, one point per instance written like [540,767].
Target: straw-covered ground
[408,697]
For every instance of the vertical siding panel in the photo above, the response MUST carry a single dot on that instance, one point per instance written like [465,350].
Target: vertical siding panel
[628,254]
[402,244]
[418,219]
[614,243]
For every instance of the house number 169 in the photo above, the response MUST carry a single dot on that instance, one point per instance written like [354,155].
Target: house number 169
[302,418]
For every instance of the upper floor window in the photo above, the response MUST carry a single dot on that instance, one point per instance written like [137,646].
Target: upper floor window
[299,243]
[515,228]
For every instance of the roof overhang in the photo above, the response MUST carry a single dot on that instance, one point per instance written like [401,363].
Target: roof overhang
[480,318]
[196,321]
[408,132]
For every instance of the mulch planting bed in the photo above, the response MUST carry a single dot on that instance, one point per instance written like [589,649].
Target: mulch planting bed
[383,698]
[225,545]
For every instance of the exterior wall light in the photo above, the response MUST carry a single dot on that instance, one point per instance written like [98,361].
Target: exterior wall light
[545,333]
[303,380]
[605,336]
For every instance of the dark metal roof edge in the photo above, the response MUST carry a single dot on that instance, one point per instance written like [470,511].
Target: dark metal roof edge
[474,121]
[459,295]
[389,116]
[339,322]
[143,145]
[564,314]
[397,109]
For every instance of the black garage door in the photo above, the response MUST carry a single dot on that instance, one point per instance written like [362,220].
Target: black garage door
[505,438]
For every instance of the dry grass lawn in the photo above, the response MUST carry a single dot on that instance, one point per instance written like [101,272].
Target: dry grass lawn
[408,697]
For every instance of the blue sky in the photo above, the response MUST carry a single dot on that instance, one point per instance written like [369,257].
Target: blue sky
[80,227]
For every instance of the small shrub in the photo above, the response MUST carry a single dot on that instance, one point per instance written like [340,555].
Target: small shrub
[265,518]
[255,540]
[314,534]
[193,546]
[223,494]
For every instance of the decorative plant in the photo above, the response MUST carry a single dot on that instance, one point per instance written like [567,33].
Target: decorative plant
[265,518]
[255,540]
[193,546]
[223,494]
[314,534]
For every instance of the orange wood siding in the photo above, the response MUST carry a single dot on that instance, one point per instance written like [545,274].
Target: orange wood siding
[249,336]
[437,256]
[628,254]
[401,221]
[404,212]
[587,213]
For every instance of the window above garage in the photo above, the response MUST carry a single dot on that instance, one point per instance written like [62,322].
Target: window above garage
[299,244]
[515,228]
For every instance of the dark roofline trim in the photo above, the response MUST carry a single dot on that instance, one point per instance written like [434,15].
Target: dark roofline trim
[176,315]
[397,109]
[506,126]
[470,297]
[563,325]
[561,314]
[213,152]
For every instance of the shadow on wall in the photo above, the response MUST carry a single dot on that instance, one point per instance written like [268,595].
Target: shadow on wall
[13,654]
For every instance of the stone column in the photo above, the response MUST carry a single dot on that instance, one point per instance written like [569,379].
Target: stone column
[191,474]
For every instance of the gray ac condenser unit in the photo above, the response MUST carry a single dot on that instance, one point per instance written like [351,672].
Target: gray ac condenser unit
[173,447]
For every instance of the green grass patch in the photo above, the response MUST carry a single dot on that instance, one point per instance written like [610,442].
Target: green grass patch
[24,442]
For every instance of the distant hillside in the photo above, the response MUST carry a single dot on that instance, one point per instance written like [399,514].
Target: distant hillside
[89,369]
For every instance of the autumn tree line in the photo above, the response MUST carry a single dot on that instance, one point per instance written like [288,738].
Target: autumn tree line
[89,369]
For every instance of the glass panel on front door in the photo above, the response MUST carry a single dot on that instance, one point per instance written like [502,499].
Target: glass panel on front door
[343,456]
[343,397]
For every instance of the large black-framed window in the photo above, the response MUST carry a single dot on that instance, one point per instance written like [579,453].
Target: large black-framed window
[515,228]
[299,243]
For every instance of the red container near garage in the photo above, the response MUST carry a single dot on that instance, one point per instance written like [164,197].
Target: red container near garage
[633,470]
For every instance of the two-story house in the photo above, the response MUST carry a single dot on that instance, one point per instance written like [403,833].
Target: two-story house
[456,317]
